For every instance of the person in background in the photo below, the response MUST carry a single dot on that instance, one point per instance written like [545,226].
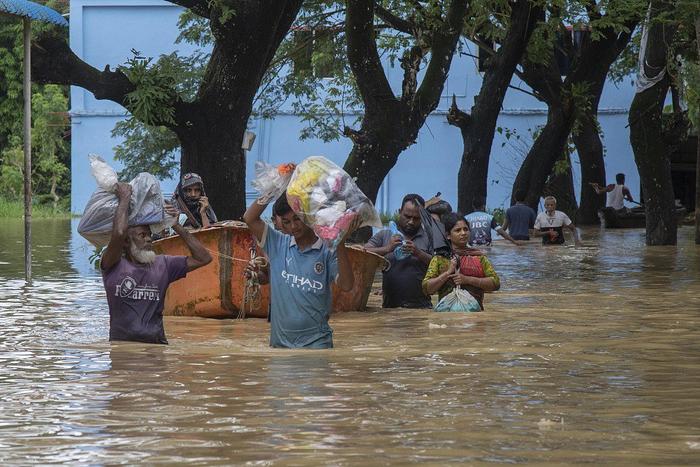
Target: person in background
[616,194]
[193,203]
[302,269]
[468,268]
[136,278]
[480,225]
[437,207]
[402,281]
[520,218]
[550,224]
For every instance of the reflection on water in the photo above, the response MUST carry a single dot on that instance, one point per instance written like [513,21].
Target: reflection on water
[586,355]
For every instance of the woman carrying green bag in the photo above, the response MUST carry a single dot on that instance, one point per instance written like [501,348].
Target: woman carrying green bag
[468,269]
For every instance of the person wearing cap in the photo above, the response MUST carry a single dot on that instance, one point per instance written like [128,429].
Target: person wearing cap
[193,203]
[136,278]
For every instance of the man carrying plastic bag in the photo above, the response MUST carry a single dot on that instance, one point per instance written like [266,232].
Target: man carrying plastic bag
[302,270]
[145,205]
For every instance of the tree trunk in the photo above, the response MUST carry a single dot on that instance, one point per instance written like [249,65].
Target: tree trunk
[654,166]
[545,151]
[215,153]
[697,162]
[589,70]
[590,153]
[647,137]
[478,129]
[391,124]
[561,186]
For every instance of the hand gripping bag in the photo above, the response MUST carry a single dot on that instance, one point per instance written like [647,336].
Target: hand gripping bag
[145,206]
[458,300]
[327,199]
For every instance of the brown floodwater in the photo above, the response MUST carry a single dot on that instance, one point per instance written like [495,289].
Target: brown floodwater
[585,355]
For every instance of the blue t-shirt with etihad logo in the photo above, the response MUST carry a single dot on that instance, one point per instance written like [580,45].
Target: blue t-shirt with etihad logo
[300,285]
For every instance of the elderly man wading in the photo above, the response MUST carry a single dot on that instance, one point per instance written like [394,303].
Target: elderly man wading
[135,278]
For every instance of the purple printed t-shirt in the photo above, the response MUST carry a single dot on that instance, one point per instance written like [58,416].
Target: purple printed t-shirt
[135,295]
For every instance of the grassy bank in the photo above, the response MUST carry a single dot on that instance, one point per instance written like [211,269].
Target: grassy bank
[15,209]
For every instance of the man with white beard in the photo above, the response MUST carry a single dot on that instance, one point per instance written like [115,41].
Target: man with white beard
[135,278]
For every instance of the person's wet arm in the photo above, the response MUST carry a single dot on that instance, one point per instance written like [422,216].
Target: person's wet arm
[574,232]
[113,254]
[434,279]
[379,246]
[502,232]
[627,194]
[253,220]
[200,256]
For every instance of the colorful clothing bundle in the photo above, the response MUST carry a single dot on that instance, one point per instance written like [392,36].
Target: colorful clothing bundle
[327,199]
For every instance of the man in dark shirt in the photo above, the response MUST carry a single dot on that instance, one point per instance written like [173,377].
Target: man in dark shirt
[520,218]
[136,279]
[402,282]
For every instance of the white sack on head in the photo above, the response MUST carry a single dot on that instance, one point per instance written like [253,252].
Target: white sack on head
[145,206]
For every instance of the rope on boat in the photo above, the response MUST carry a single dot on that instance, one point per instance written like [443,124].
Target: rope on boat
[251,292]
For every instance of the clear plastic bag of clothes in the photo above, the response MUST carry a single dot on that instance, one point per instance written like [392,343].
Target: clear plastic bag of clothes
[271,181]
[327,199]
[458,300]
[145,208]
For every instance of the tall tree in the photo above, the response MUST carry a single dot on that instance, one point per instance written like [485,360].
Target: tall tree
[478,126]
[390,124]
[646,128]
[211,126]
[574,98]
[697,142]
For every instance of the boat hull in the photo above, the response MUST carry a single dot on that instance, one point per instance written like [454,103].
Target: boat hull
[631,219]
[217,290]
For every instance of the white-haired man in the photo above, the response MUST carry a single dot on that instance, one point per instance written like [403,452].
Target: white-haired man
[136,278]
[550,224]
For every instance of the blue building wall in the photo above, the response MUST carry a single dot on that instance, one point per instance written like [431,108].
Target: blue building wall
[104,33]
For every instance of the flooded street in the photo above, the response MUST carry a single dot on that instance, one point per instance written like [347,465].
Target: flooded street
[586,354]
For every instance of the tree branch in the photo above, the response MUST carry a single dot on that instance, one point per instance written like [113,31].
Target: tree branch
[198,7]
[363,55]
[457,117]
[441,52]
[54,62]
[400,24]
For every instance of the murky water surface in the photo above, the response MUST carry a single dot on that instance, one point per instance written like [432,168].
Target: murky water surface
[586,355]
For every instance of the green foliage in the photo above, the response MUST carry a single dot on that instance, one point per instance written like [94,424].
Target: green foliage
[499,214]
[221,10]
[96,257]
[11,84]
[152,101]
[14,209]
[50,175]
[151,149]
[154,148]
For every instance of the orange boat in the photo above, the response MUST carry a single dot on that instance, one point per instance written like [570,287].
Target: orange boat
[218,290]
